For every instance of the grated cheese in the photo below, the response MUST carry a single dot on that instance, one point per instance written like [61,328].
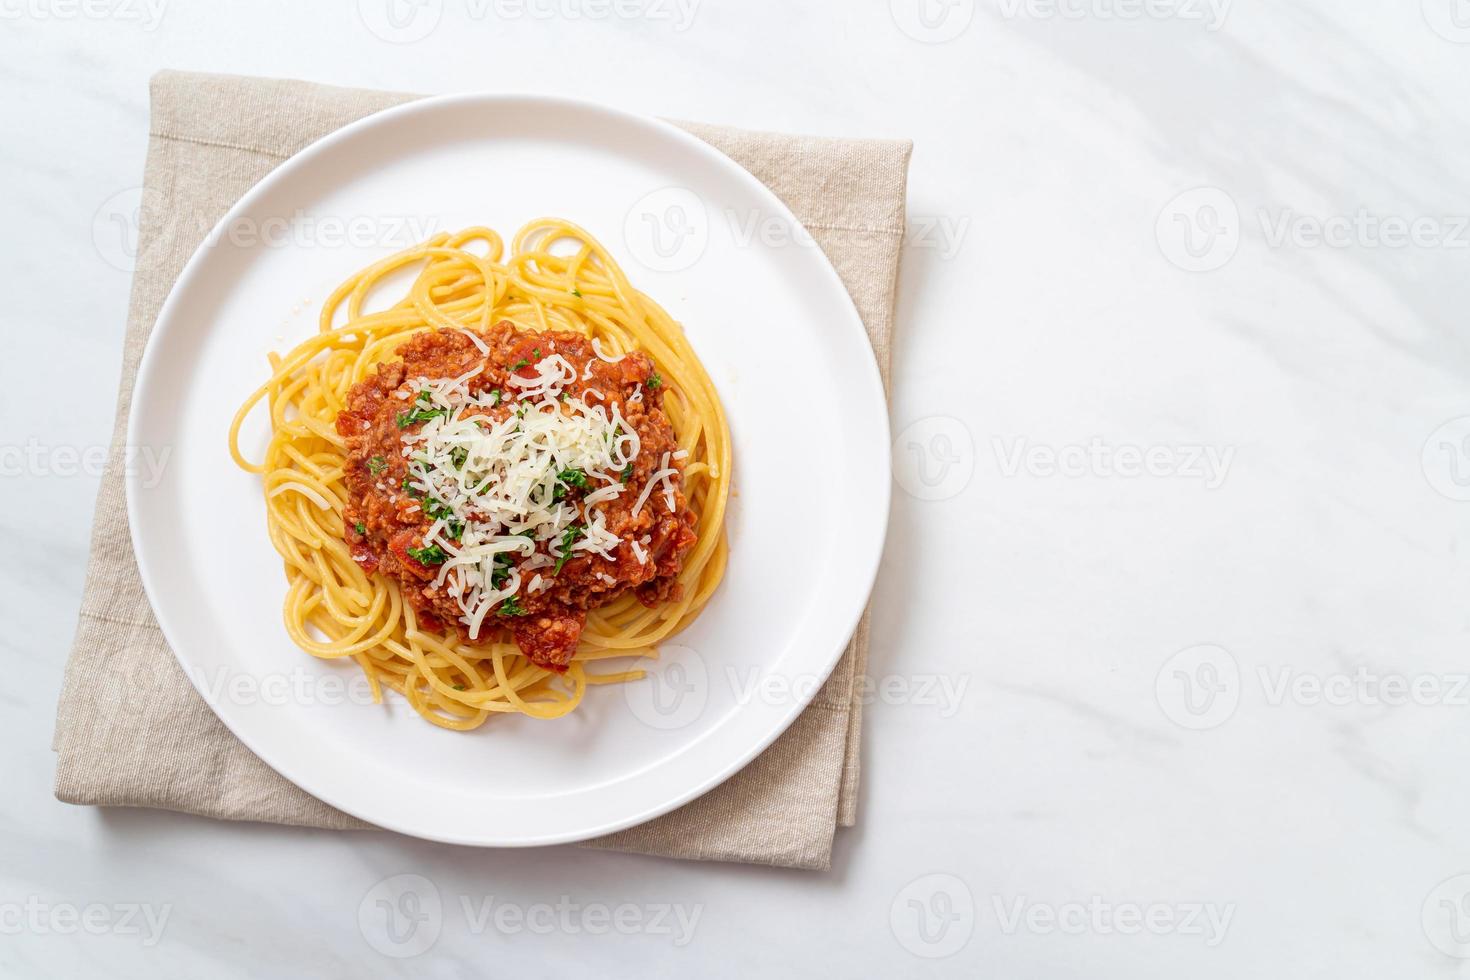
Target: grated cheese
[483,347]
[495,480]
[597,349]
[663,475]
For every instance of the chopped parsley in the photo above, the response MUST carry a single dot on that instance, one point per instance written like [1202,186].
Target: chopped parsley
[511,607]
[459,687]
[405,419]
[501,570]
[535,352]
[458,455]
[654,381]
[577,293]
[435,509]
[361,527]
[568,538]
[377,465]
[496,393]
[627,473]
[568,479]
[432,555]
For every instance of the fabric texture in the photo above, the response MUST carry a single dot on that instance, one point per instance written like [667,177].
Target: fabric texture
[132,731]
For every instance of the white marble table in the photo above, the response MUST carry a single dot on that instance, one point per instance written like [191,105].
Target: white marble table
[1175,611]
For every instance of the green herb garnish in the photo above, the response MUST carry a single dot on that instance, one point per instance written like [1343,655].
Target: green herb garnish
[511,607]
[405,419]
[627,473]
[568,538]
[566,480]
[519,364]
[501,570]
[432,555]
[654,381]
[577,293]
[361,527]
[458,455]
[377,465]
[436,509]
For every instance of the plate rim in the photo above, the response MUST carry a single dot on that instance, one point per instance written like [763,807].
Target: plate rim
[163,326]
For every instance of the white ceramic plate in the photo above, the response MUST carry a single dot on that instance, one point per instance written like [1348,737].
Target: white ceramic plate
[763,308]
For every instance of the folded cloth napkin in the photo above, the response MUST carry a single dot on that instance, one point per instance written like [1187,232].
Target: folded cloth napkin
[132,731]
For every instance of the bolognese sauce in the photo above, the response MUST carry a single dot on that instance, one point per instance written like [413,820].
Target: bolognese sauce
[514,480]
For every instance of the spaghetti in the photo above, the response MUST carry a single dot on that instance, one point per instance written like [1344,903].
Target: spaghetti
[555,279]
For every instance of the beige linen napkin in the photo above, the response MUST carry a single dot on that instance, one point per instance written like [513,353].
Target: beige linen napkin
[132,731]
